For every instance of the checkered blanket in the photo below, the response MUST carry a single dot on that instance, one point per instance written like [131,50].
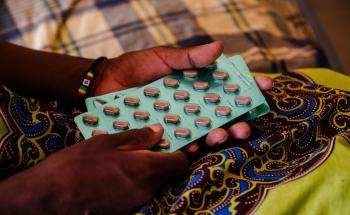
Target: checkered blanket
[269,34]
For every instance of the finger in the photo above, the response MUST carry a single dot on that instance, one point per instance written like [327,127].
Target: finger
[192,57]
[136,139]
[264,82]
[191,148]
[240,130]
[216,136]
[169,166]
[163,60]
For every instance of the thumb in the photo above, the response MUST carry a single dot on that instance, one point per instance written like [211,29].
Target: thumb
[163,60]
[169,166]
[191,57]
[137,139]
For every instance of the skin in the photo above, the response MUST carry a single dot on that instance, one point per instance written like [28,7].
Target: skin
[131,69]
[107,174]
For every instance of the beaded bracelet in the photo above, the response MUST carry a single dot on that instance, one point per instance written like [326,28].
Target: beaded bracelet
[89,76]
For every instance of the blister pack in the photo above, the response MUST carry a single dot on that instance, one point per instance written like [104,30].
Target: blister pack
[187,103]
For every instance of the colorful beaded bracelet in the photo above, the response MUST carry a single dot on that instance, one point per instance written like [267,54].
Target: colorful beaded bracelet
[89,76]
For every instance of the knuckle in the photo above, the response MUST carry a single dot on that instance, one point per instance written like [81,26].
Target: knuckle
[143,135]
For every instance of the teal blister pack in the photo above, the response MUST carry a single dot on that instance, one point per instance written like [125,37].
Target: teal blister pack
[237,61]
[187,103]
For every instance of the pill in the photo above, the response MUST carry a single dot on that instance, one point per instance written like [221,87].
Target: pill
[211,66]
[172,118]
[181,95]
[170,82]
[131,101]
[211,98]
[253,111]
[121,125]
[98,102]
[151,92]
[98,132]
[192,108]
[190,73]
[164,144]
[141,115]
[220,75]
[202,122]
[182,132]
[90,119]
[222,111]
[231,88]
[243,100]
[111,110]
[161,105]
[200,85]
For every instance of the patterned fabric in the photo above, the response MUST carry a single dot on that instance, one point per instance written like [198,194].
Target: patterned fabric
[292,140]
[30,130]
[286,144]
[269,34]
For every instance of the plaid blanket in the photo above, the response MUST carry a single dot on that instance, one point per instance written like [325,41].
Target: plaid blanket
[269,34]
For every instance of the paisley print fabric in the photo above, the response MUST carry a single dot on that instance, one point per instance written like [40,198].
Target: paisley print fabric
[286,144]
[30,130]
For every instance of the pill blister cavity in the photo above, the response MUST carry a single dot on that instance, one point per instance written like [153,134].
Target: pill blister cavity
[211,98]
[131,101]
[253,111]
[202,122]
[190,73]
[164,144]
[218,75]
[170,82]
[151,92]
[211,66]
[181,95]
[90,120]
[98,132]
[222,111]
[171,118]
[243,100]
[231,88]
[182,133]
[111,111]
[121,125]
[192,108]
[141,115]
[161,105]
[200,85]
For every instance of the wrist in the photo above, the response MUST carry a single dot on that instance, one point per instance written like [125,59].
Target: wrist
[91,77]
[98,77]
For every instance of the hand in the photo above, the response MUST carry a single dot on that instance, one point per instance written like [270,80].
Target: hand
[141,67]
[107,174]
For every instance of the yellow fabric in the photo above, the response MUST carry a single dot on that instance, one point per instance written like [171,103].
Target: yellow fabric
[326,190]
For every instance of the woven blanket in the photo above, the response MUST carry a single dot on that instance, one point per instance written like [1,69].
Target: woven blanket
[269,34]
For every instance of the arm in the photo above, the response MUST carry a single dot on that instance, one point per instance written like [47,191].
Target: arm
[59,76]
[41,73]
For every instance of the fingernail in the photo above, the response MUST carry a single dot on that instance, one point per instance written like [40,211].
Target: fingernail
[223,140]
[155,127]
